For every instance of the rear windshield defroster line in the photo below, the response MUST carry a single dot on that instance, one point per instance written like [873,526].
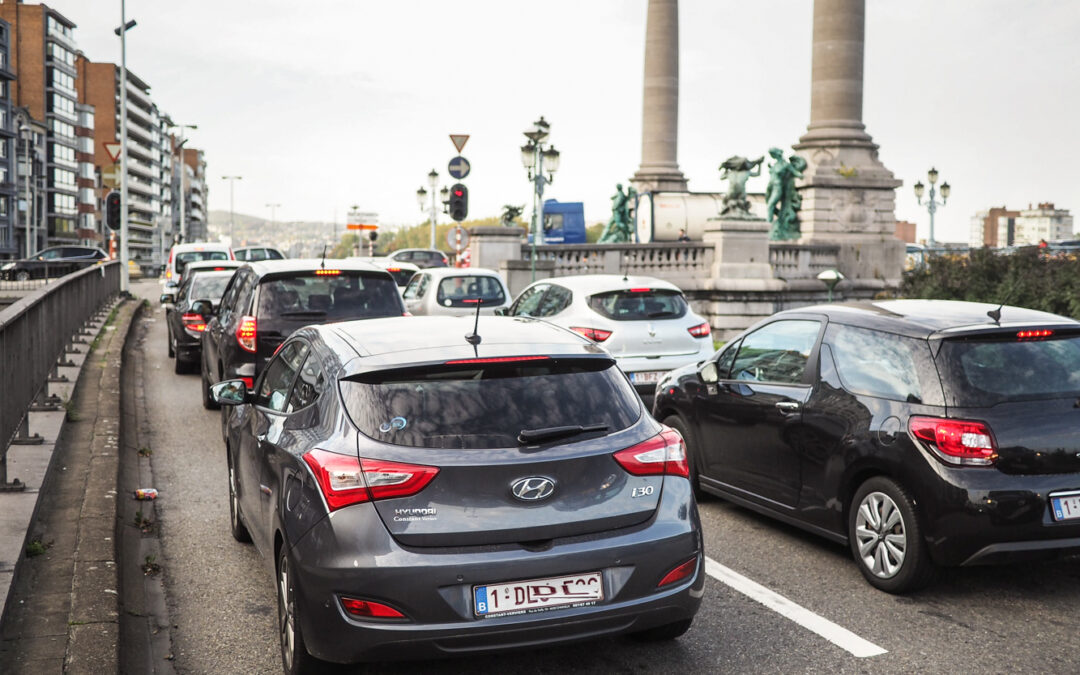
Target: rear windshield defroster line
[488,405]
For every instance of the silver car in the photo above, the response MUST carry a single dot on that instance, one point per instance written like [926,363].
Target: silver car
[645,323]
[454,291]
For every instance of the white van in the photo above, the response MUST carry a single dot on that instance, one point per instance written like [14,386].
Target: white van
[182,254]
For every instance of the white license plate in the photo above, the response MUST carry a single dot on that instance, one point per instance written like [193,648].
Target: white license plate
[538,594]
[647,377]
[1065,507]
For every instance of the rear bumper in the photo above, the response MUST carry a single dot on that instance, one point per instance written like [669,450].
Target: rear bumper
[433,587]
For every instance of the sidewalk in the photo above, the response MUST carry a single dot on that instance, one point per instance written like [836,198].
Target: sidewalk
[58,551]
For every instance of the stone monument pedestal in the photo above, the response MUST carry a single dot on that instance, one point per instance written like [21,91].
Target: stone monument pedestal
[741,254]
[489,245]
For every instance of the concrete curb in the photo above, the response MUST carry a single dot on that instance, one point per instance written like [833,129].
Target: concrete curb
[63,613]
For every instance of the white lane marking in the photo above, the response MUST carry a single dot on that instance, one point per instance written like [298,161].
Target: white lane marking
[838,635]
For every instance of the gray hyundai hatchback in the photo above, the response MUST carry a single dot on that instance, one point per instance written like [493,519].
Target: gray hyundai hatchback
[420,490]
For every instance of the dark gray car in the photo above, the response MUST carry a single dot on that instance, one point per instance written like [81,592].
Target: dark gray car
[418,495]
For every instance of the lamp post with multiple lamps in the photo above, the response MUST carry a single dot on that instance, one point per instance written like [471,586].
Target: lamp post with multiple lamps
[232,180]
[534,155]
[932,203]
[421,199]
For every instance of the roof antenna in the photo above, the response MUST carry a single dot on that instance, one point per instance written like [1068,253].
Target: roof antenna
[473,338]
[995,314]
[322,264]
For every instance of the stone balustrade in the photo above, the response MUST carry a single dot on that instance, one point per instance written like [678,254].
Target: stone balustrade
[802,261]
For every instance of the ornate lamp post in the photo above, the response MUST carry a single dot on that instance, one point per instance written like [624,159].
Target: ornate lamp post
[534,155]
[421,198]
[932,203]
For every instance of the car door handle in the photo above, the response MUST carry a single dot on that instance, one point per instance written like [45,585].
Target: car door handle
[788,407]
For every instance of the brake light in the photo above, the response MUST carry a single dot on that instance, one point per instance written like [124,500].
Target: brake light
[368,608]
[346,480]
[962,442]
[327,273]
[193,322]
[497,359]
[700,330]
[393,269]
[594,334]
[640,290]
[664,453]
[249,382]
[245,333]
[679,573]
[1033,334]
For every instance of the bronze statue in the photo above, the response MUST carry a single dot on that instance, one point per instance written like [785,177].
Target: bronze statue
[510,214]
[617,230]
[737,170]
[782,199]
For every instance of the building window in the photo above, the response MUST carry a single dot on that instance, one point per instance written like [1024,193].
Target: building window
[3,206]
[61,104]
[62,154]
[57,27]
[62,203]
[61,128]
[3,148]
[63,178]
[59,53]
[61,79]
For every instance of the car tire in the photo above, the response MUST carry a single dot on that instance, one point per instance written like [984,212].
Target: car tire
[22,275]
[207,402]
[236,521]
[663,633]
[294,655]
[886,537]
[677,423]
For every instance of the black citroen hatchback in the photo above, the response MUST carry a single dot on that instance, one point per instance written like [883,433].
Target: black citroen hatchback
[919,432]
[417,494]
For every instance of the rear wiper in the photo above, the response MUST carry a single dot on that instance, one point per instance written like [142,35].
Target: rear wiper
[526,436]
[304,312]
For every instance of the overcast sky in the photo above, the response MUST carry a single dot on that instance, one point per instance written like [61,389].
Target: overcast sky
[320,104]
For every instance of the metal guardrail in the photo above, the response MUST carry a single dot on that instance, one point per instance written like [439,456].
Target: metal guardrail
[34,332]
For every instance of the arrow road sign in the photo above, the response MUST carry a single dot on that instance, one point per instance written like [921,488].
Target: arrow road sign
[459,140]
[113,150]
[457,238]
[459,167]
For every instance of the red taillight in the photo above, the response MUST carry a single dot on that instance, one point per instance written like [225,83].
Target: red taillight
[1033,334]
[346,480]
[393,269]
[700,330]
[679,573]
[497,359]
[594,334]
[193,322]
[327,273]
[961,442]
[245,333]
[406,314]
[664,453]
[640,290]
[369,608]
[249,382]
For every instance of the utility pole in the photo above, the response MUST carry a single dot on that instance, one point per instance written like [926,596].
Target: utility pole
[122,32]
[232,180]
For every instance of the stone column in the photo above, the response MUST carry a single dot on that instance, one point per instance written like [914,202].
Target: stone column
[849,197]
[659,168]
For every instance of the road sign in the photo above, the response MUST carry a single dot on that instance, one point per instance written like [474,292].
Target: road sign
[361,226]
[459,140]
[457,238]
[459,167]
[110,175]
[114,149]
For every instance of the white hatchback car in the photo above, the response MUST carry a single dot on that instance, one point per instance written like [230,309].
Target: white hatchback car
[453,291]
[401,271]
[645,323]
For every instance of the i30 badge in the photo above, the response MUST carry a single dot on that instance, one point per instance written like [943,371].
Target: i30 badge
[532,489]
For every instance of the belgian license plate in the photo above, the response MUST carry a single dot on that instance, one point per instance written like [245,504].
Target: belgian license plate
[1065,507]
[647,377]
[536,595]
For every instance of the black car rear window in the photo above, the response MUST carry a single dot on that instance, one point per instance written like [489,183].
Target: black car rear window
[981,373]
[209,286]
[638,305]
[328,295]
[182,259]
[487,405]
[456,291]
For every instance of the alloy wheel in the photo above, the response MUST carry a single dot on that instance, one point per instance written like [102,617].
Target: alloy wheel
[880,535]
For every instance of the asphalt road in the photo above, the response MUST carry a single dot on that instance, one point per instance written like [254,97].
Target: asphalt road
[987,620]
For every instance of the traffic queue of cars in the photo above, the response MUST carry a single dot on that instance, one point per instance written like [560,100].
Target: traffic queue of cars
[424,485]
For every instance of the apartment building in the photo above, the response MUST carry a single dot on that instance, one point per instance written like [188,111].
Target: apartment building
[190,184]
[12,243]
[42,56]
[1044,222]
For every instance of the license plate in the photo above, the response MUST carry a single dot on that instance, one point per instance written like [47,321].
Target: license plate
[1065,507]
[537,595]
[647,377]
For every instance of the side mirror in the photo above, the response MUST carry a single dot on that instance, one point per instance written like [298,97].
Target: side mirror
[709,374]
[167,298]
[229,392]
[203,308]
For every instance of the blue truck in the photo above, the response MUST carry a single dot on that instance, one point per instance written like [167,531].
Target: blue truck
[564,222]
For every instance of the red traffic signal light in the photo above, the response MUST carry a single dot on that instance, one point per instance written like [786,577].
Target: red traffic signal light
[112,210]
[459,202]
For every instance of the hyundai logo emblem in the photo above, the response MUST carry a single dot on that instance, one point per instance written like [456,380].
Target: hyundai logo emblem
[533,488]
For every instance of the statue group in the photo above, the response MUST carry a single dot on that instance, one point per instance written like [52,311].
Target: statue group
[510,214]
[737,170]
[617,230]
[782,199]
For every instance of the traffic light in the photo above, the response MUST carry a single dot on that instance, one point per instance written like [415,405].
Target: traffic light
[373,235]
[459,202]
[112,210]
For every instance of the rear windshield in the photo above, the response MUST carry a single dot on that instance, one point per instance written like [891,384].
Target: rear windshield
[630,305]
[488,405]
[209,286]
[307,297]
[182,259]
[984,373]
[401,276]
[454,291]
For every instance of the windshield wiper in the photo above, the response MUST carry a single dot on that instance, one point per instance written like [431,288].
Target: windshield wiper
[526,436]
[304,312]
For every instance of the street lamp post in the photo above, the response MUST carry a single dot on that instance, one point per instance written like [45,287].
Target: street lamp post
[533,157]
[125,25]
[232,180]
[421,199]
[932,203]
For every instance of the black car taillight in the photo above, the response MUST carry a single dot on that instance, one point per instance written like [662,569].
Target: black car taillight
[963,442]
[246,332]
